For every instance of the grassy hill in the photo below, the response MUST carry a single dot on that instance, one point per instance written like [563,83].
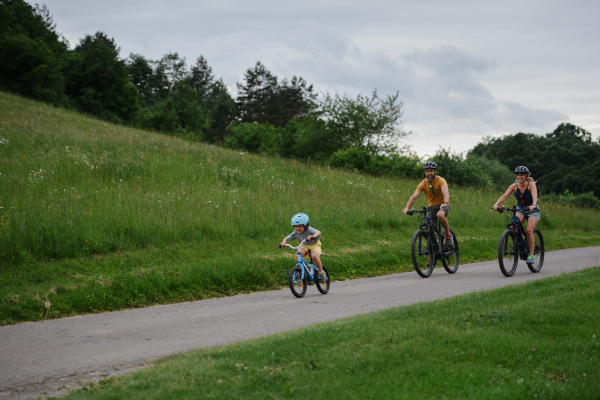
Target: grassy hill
[96,216]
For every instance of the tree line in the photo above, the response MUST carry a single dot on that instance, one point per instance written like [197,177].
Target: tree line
[279,117]
[169,96]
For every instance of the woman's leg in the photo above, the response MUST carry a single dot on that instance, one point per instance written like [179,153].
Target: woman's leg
[531,224]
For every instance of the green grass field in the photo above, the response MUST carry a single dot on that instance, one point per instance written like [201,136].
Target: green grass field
[537,340]
[98,217]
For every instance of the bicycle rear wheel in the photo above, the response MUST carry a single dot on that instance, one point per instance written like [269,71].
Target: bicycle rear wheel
[451,262]
[323,287]
[538,252]
[297,283]
[508,256]
[422,256]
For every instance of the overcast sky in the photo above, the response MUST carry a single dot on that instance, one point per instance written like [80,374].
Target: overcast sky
[464,69]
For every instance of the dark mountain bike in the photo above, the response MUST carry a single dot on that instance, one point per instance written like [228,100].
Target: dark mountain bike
[427,246]
[513,244]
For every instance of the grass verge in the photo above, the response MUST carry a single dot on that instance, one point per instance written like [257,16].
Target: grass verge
[98,217]
[537,340]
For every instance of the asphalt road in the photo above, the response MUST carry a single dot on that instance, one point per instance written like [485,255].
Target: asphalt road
[42,356]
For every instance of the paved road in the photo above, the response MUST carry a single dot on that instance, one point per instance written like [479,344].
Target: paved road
[48,353]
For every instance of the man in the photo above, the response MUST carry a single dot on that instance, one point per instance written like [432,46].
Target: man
[436,193]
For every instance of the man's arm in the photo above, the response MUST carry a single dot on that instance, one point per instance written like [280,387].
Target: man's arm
[411,201]
[446,197]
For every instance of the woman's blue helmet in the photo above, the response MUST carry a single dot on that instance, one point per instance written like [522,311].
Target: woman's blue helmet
[300,219]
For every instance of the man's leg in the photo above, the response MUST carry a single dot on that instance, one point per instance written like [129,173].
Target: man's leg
[441,215]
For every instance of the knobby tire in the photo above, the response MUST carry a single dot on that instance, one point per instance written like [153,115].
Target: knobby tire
[422,255]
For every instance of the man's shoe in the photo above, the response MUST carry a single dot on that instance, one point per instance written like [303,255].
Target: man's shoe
[530,259]
[449,240]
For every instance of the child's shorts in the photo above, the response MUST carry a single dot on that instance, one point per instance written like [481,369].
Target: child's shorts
[314,248]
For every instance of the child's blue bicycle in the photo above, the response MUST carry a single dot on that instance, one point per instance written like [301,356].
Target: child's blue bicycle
[304,274]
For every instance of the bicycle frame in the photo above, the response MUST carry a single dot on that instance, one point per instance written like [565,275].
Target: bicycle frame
[430,228]
[306,267]
[517,226]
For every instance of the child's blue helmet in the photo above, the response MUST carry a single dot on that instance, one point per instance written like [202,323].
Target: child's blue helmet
[300,219]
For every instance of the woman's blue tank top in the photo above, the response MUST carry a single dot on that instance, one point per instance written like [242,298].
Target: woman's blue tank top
[525,199]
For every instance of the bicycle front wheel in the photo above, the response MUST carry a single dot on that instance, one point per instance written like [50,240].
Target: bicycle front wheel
[538,252]
[508,256]
[297,283]
[451,262]
[422,256]
[323,287]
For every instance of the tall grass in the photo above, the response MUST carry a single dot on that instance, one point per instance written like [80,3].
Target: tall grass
[102,200]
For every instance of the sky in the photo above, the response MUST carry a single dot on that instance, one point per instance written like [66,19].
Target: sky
[463,69]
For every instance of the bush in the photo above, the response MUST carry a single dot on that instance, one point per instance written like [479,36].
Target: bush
[397,165]
[461,171]
[256,138]
[352,159]
[472,170]
[584,200]
[361,160]
[501,177]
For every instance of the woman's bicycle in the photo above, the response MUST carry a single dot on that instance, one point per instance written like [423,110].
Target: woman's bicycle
[513,244]
[304,274]
[428,246]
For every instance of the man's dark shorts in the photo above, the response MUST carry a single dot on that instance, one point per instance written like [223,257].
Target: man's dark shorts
[432,214]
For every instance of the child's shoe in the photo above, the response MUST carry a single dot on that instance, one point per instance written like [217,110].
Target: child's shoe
[322,277]
[530,259]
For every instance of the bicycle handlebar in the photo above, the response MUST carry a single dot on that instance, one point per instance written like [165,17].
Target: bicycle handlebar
[425,210]
[513,210]
[300,245]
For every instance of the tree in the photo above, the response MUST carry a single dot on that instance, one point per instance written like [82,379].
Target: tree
[257,99]
[98,82]
[222,109]
[368,123]
[201,77]
[296,98]
[142,77]
[561,160]
[31,51]
[262,99]
[167,72]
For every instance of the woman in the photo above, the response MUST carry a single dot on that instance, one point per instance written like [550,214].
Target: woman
[526,193]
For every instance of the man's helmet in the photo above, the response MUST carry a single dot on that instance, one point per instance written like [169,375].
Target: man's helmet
[522,170]
[300,219]
[430,164]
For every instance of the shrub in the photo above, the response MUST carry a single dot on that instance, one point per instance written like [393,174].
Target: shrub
[584,200]
[351,159]
[253,137]
[459,170]
[392,165]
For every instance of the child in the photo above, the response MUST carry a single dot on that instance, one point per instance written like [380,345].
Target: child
[302,231]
